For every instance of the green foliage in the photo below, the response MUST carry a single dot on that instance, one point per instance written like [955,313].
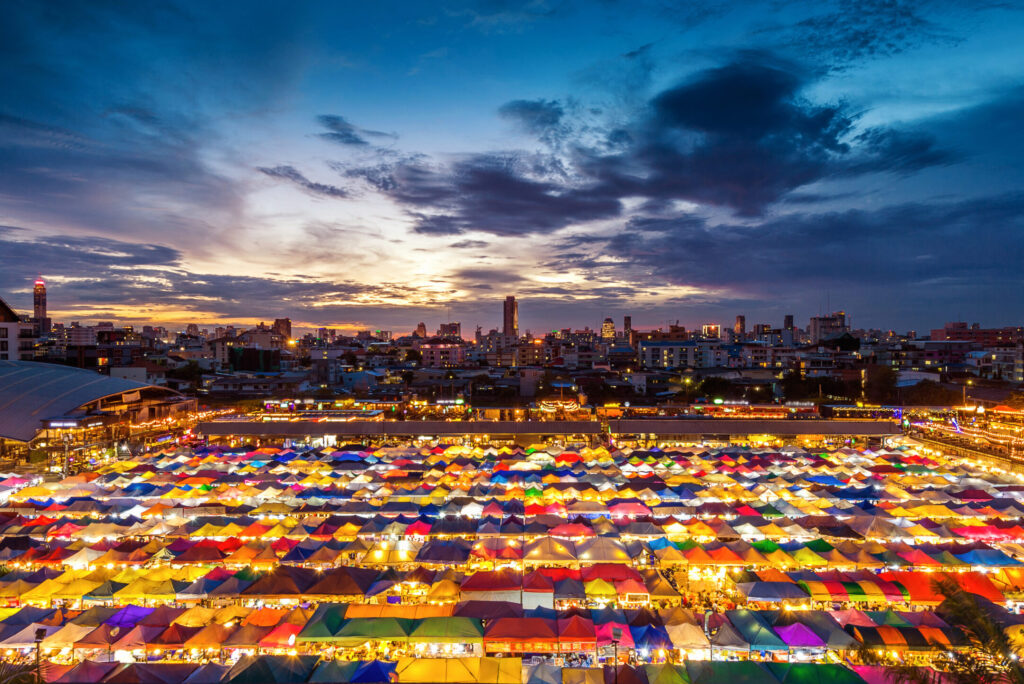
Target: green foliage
[17,673]
[928,393]
[880,387]
[795,388]
[190,372]
[990,655]
[712,387]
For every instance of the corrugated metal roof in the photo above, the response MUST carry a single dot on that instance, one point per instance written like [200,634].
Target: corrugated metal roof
[31,392]
[403,428]
[739,426]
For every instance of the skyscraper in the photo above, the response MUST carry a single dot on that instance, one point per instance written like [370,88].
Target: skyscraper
[511,317]
[787,323]
[283,327]
[453,329]
[824,327]
[608,330]
[740,329]
[39,302]
[711,331]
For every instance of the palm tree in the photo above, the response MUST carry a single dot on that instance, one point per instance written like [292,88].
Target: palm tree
[17,673]
[990,655]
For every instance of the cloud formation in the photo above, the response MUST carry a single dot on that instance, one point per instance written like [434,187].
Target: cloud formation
[835,145]
[292,174]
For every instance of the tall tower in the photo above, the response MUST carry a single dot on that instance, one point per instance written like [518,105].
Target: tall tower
[511,317]
[39,305]
[608,330]
[740,329]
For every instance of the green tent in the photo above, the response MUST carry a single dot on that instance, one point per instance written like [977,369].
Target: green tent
[447,630]
[755,630]
[359,630]
[765,545]
[819,546]
[666,673]
[325,623]
[266,669]
[887,618]
[729,672]
[335,671]
[856,592]
[805,556]
[768,511]
[809,673]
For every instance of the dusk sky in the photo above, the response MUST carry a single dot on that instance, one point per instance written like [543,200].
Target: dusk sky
[369,165]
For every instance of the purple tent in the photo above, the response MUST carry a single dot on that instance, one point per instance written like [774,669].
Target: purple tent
[86,672]
[128,616]
[799,636]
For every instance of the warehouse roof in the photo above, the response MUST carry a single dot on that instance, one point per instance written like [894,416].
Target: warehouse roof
[31,392]
[397,428]
[739,426]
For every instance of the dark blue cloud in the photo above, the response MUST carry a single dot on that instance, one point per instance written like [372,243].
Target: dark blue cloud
[535,116]
[292,174]
[126,127]
[342,132]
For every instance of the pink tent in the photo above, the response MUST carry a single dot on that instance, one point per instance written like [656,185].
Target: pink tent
[606,634]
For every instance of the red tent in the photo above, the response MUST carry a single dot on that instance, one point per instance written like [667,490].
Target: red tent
[521,634]
[576,634]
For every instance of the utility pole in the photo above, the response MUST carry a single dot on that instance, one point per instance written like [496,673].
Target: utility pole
[66,462]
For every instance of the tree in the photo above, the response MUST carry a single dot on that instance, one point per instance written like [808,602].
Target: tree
[928,393]
[414,356]
[714,387]
[17,673]
[190,372]
[1016,400]
[990,655]
[880,387]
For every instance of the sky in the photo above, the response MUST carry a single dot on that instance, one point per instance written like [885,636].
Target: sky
[373,165]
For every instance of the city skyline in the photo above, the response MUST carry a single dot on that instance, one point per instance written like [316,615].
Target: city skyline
[178,163]
[621,321]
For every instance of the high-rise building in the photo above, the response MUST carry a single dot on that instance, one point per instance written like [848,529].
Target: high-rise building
[421,329]
[453,329]
[711,331]
[627,325]
[787,323]
[511,317]
[740,329]
[608,330]
[283,327]
[42,323]
[824,327]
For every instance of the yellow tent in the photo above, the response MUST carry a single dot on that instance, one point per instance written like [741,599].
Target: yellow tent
[599,588]
[500,671]
[438,670]
[580,675]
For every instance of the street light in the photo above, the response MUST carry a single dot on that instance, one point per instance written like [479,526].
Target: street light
[40,635]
